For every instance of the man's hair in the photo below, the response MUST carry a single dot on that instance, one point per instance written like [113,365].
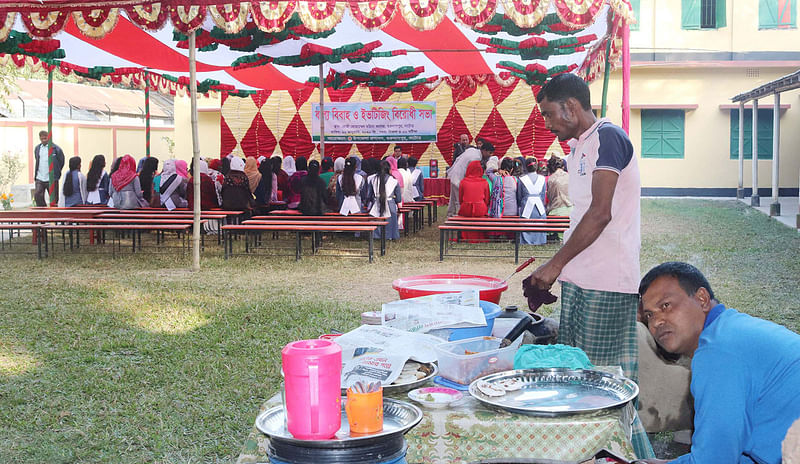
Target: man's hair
[487,146]
[41,133]
[398,147]
[565,86]
[412,162]
[689,277]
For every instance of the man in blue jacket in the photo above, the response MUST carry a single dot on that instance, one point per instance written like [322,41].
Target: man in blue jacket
[41,172]
[745,370]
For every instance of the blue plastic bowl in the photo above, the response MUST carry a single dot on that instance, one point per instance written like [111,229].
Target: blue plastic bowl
[490,311]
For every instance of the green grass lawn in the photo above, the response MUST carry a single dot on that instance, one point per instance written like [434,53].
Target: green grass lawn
[134,359]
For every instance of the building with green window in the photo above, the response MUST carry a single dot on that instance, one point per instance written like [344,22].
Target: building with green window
[688,59]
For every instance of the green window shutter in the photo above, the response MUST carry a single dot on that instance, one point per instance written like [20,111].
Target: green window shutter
[767,14]
[720,14]
[690,14]
[636,8]
[662,133]
[764,134]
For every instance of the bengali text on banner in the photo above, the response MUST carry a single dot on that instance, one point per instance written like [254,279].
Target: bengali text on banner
[351,122]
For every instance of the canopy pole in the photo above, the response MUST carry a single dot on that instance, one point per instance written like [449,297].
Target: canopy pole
[607,70]
[321,115]
[740,189]
[755,200]
[147,114]
[195,154]
[626,79]
[53,186]
[775,207]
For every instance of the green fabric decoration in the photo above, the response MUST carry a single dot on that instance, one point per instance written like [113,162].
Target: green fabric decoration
[551,356]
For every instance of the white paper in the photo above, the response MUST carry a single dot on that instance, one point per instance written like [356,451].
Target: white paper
[425,313]
[371,367]
[377,338]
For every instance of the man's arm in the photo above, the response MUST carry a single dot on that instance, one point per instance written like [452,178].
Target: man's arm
[597,217]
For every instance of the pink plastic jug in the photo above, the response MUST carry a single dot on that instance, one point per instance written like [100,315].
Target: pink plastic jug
[312,370]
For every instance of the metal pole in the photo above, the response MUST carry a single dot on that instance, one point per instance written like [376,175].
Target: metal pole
[740,190]
[321,115]
[147,114]
[195,153]
[775,207]
[626,79]
[754,199]
[607,70]
[53,186]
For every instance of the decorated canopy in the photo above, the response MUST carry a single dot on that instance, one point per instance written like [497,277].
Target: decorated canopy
[278,45]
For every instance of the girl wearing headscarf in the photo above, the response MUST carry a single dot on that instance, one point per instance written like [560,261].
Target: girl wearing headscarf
[173,186]
[295,182]
[182,168]
[384,196]
[214,166]
[251,170]
[283,178]
[97,182]
[289,165]
[267,189]
[348,187]
[504,191]
[326,170]
[236,194]
[400,182]
[74,190]
[408,182]
[312,192]
[208,191]
[531,192]
[146,177]
[126,189]
[334,193]
[417,179]
[473,197]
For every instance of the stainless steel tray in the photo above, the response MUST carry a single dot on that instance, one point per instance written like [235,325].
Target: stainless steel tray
[559,392]
[398,418]
[430,369]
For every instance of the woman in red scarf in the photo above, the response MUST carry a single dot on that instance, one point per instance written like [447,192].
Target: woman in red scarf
[473,196]
[127,191]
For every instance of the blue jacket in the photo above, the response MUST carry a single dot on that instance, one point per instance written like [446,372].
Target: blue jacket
[746,388]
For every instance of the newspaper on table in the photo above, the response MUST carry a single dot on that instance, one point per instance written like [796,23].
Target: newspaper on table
[426,313]
[374,352]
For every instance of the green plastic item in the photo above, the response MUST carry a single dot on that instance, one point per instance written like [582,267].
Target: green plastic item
[551,356]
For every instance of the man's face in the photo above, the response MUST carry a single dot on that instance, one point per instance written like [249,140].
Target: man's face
[43,138]
[486,154]
[559,119]
[674,318]
[398,153]
[464,139]
[478,143]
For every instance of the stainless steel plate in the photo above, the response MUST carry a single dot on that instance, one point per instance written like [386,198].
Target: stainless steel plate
[431,371]
[398,418]
[558,392]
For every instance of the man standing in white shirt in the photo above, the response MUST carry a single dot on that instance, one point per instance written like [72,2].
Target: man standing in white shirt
[42,170]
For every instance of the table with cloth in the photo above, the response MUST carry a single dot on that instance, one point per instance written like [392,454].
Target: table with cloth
[437,189]
[469,431]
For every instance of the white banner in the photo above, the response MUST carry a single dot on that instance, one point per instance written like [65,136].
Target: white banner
[386,122]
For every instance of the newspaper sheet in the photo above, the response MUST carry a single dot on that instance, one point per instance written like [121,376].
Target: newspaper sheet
[425,313]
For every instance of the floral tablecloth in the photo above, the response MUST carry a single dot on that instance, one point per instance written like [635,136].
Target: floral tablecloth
[469,431]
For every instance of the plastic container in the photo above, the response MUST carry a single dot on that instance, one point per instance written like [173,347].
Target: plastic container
[313,371]
[490,288]
[456,365]
[490,312]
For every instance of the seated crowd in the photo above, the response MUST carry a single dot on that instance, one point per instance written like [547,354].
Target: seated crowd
[253,185]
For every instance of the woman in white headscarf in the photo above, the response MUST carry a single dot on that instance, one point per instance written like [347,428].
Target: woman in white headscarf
[173,186]
[288,165]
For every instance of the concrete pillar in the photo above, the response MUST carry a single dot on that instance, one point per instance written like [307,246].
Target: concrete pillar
[740,189]
[775,207]
[754,199]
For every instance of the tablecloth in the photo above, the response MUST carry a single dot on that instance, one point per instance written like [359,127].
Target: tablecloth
[468,431]
[437,189]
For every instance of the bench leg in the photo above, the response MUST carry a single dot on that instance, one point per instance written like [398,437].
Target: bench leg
[226,243]
[383,240]
[516,247]
[369,234]
[38,243]
[441,244]
[298,247]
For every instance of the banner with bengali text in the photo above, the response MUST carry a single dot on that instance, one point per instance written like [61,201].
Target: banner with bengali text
[388,122]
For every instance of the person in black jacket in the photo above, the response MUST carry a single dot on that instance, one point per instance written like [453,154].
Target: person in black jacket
[313,192]
[42,169]
[459,147]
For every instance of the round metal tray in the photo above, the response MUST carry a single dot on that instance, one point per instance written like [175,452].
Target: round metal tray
[398,418]
[430,369]
[559,392]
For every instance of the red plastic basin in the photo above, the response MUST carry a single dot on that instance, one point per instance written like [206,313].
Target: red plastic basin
[490,288]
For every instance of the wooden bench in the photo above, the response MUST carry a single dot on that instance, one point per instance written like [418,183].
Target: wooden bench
[298,229]
[430,205]
[34,227]
[136,237]
[327,220]
[515,225]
